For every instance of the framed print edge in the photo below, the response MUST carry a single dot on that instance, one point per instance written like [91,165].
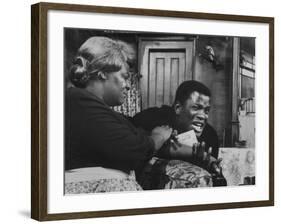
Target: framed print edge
[39,122]
[271,111]
[38,112]
[155,210]
[34,113]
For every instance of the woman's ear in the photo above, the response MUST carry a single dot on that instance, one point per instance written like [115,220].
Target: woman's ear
[177,108]
[101,76]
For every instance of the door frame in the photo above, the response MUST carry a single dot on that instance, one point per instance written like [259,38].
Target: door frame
[173,43]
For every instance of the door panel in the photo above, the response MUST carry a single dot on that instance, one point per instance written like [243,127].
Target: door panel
[163,66]
[166,71]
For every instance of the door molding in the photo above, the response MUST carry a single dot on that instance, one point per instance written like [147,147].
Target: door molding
[168,44]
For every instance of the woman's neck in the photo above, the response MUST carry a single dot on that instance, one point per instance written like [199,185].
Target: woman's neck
[96,88]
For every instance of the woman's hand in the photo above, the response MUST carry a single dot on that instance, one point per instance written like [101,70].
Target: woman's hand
[160,135]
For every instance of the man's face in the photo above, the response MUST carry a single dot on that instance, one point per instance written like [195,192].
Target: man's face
[116,86]
[193,114]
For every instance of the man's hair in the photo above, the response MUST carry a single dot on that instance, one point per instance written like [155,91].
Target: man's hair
[187,87]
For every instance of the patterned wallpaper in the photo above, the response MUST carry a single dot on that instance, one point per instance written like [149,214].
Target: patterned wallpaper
[132,103]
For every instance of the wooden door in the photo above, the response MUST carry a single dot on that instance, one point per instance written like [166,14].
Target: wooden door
[163,66]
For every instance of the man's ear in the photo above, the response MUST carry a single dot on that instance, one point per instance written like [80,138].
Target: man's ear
[177,108]
[101,76]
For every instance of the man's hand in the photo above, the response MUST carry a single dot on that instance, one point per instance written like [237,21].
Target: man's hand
[197,155]
[205,159]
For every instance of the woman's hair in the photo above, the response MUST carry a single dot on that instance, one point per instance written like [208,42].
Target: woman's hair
[99,54]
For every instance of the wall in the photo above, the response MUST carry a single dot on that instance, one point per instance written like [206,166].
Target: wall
[15,113]
[216,75]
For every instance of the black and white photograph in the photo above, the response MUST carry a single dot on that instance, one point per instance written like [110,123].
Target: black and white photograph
[138,111]
[150,111]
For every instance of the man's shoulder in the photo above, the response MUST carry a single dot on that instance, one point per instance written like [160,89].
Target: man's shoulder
[154,116]
[156,111]
[209,129]
[163,108]
[209,135]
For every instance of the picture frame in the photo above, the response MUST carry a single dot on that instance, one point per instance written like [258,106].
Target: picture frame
[44,90]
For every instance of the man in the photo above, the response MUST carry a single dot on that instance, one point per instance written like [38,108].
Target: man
[190,111]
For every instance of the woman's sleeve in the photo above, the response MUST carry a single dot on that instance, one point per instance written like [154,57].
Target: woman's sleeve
[119,143]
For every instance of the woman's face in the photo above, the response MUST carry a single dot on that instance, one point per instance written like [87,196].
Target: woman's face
[116,86]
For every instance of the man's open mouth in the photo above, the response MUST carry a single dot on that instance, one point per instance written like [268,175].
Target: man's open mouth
[198,126]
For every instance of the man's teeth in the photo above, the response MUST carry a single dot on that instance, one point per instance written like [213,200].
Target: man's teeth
[198,125]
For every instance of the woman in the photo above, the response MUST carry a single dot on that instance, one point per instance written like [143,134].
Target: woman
[102,147]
